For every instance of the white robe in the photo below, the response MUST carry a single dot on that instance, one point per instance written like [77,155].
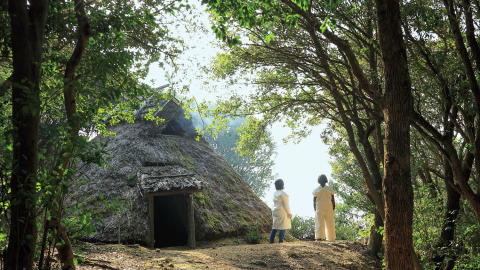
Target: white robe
[280,211]
[324,215]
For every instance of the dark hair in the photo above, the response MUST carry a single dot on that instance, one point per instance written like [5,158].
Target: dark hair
[279,184]
[322,179]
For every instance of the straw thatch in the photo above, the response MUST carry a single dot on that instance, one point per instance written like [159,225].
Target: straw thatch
[147,157]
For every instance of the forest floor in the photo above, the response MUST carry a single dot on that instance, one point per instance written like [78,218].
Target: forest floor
[230,253]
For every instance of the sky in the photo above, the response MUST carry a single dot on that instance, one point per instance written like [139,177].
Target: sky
[299,165]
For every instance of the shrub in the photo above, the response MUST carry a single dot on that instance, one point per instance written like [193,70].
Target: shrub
[303,227]
[254,236]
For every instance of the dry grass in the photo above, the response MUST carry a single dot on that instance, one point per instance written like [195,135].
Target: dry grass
[232,253]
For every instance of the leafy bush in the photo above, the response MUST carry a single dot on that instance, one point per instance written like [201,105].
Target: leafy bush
[351,224]
[468,261]
[348,225]
[469,241]
[368,221]
[303,227]
[254,236]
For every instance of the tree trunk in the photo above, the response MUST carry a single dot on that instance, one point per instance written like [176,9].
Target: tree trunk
[376,239]
[448,229]
[427,181]
[397,185]
[64,248]
[453,197]
[28,24]
[63,244]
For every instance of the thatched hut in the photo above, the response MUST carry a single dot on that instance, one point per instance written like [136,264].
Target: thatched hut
[179,189]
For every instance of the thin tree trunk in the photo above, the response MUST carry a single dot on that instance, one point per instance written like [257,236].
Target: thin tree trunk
[63,244]
[427,181]
[453,197]
[397,185]
[28,25]
[376,239]
[471,39]
[448,229]
[461,170]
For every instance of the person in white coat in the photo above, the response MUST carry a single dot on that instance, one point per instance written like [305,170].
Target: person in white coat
[281,212]
[324,205]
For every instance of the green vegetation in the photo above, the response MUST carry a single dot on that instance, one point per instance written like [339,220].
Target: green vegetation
[303,228]
[131,180]
[174,148]
[348,225]
[254,167]
[401,110]
[254,236]
[211,221]
[203,199]
[228,205]
[396,82]
[187,163]
[81,64]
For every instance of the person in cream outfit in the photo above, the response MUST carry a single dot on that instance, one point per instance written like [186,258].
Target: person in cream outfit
[281,212]
[324,205]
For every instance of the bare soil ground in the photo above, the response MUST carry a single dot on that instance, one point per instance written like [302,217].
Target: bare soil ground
[231,253]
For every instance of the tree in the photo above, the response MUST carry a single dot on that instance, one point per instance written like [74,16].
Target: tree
[468,92]
[298,83]
[255,168]
[28,24]
[397,110]
[440,63]
[395,103]
[97,54]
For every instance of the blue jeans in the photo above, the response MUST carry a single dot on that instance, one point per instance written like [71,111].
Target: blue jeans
[281,235]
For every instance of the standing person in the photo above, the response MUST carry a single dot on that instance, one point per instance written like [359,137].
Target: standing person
[281,212]
[324,205]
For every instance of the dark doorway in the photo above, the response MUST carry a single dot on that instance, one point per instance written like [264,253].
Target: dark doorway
[169,221]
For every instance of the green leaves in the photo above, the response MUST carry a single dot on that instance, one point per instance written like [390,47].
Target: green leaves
[255,165]
[323,27]
[269,37]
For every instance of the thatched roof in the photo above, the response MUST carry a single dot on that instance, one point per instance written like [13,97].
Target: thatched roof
[168,178]
[147,157]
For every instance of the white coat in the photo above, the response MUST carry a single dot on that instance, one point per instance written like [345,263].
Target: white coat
[324,215]
[280,211]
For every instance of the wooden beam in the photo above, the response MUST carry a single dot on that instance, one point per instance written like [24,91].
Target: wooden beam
[191,221]
[151,217]
[173,192]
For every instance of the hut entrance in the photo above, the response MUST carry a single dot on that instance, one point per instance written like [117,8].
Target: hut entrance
[170,204]
[170,221]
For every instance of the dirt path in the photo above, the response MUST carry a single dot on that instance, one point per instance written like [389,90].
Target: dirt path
[231,254]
